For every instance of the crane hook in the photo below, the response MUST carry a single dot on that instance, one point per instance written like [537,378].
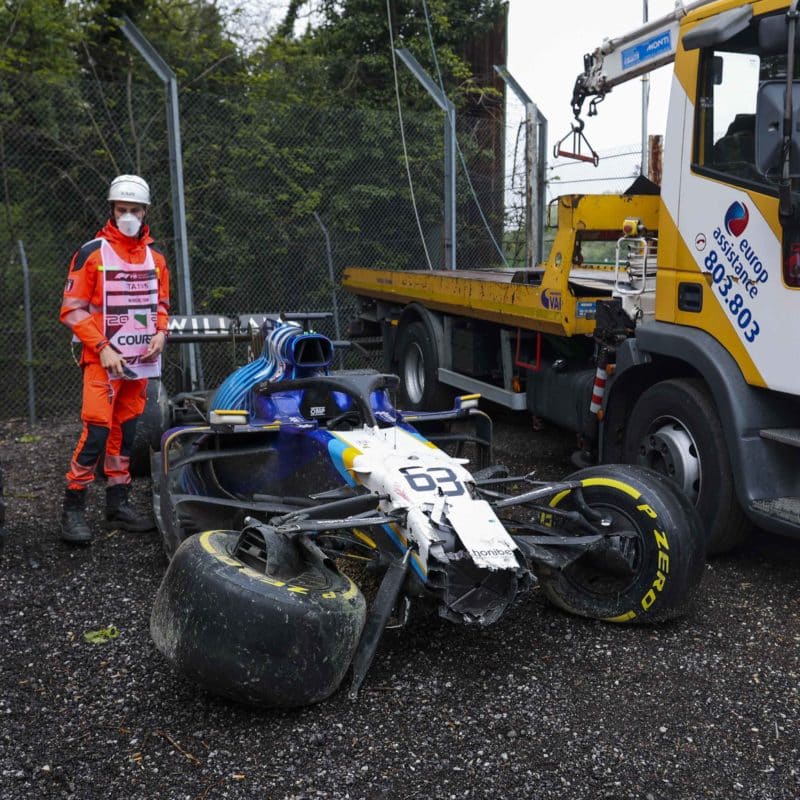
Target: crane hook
[578,137]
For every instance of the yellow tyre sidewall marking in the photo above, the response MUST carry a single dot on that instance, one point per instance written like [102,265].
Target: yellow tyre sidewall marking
[615,484]
[662,543]
[207,543]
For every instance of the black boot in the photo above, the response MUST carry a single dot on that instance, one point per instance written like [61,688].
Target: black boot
[73,518]
[120,514]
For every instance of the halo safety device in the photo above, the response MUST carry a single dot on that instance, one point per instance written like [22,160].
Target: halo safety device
[129,189]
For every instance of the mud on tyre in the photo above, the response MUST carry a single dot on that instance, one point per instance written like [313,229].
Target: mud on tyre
[258,639]
[649,577]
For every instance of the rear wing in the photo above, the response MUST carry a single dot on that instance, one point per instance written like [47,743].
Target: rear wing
[218,328]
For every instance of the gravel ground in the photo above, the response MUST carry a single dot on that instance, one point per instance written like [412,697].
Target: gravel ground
[540,705]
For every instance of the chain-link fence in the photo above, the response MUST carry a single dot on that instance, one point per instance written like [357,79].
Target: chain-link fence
[279,199]
[617,170]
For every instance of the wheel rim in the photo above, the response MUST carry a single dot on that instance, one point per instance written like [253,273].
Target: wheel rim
[610,573]
[414,373]
[669,448]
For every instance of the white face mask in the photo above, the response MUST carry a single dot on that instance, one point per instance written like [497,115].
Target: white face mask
[129,224]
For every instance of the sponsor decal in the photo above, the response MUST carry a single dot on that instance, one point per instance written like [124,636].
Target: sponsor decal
[743,260]
[650,48]
[199,324]
[140,321]
[496,551]
[586,309]
[736,219]
[551,300]
[736,270]
[119,275]
[700,242]
[662,571]
[732,301]
[317,411]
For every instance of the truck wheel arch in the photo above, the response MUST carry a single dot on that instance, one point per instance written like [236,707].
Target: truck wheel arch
[623,392]
[661,351]
[677,351]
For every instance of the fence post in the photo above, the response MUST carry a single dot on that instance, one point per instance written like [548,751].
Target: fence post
[161,68]
[535,166]
[444,102]
[26,294]
[329,255]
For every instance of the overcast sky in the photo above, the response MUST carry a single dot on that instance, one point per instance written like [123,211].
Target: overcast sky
[546,44]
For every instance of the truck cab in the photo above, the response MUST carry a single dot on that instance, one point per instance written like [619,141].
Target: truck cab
[676,352]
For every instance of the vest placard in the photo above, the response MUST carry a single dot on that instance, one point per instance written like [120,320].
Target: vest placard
[130,309]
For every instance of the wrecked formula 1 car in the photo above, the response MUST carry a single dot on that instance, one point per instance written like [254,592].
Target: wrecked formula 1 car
[296,467]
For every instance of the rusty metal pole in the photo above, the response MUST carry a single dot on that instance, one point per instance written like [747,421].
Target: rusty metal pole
[656,158]
[535,166]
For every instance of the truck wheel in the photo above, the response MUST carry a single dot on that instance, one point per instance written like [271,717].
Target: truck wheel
[675,430]
[649,577]
[250,637]
[154,421]
[418,368]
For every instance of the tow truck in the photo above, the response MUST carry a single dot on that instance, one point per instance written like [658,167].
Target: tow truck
[661,327]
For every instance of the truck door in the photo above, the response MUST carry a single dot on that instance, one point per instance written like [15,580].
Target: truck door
[726,212]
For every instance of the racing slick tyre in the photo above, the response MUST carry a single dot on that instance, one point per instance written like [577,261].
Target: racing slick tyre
[155,419]
[253,638]
[418,367]
[675,429]
[651,576]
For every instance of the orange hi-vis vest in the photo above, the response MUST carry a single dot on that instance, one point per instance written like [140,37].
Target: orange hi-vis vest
[97,296]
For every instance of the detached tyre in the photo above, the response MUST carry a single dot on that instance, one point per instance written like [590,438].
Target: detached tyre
[652,573]
[418,368]
[255,638]
[675,429]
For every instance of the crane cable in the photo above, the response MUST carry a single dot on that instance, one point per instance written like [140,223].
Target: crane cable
[455,138]
[403,136]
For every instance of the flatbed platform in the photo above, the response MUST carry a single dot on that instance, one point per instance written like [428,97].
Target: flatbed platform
[515,297]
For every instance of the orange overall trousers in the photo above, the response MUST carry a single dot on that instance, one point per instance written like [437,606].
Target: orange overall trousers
[110,411]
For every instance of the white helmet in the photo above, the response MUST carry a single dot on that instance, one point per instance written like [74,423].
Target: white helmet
[129,189]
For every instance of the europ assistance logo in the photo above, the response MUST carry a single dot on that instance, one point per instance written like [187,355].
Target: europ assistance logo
[736,219]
